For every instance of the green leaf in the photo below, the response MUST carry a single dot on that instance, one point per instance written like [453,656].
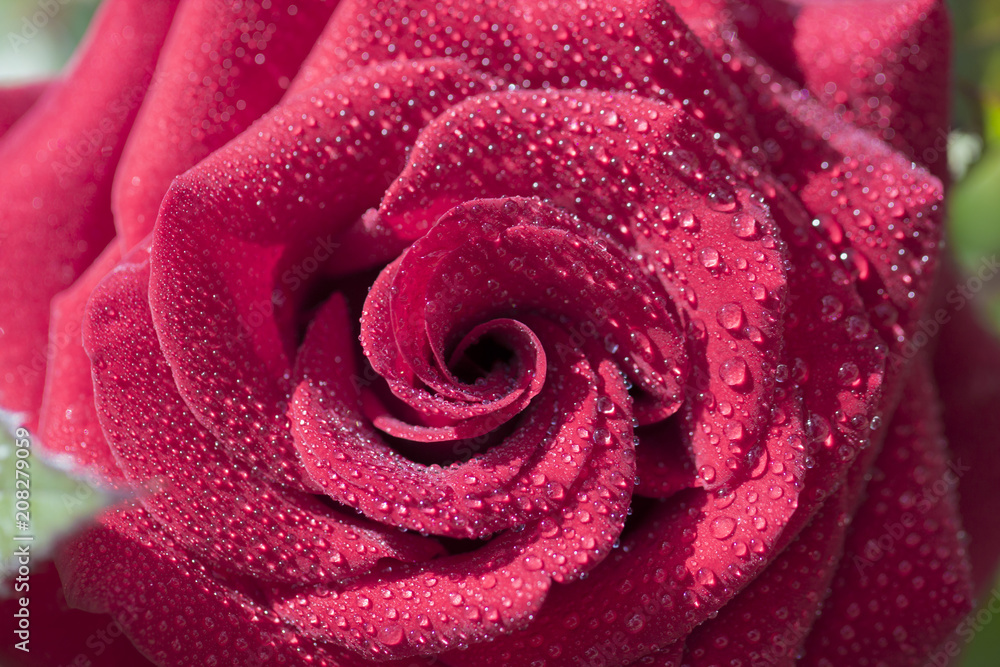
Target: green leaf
[975,210]
[56,503]
[981,632]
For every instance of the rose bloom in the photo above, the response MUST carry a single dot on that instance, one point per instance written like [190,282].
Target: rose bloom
[500,332]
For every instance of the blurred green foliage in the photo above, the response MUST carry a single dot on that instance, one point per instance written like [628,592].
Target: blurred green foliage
[975,198]
[57,503]
[37,38]
[974,204]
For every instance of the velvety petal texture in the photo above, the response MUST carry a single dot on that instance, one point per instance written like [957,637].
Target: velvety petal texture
[69,426]
[61,634]
[55,184]
[508,332]
[242,56]
[15,101]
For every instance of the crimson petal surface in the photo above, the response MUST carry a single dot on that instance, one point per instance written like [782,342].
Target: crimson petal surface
[55,182]
[232,518]
[243,54]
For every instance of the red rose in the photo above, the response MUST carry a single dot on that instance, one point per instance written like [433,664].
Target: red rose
[646,305]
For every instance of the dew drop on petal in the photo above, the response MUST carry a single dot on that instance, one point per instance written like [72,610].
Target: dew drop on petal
[734,372]
[722,527]
[744,225]
[730,316]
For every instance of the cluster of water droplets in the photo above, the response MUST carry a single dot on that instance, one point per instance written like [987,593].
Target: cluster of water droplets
[640,259]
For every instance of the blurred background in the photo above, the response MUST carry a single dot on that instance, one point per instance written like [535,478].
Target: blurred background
[37,37]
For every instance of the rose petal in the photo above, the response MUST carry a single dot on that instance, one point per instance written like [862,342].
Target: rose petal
[685,559]
[466,598]
[838,359]
[125,564]
[240,239]
[879,65]
[905,573]
[635,45]
[612,160]
[967,369]
[68,422]
[879,212]
[832,490]
[229,517]
[242,55]
[60,635]
[768,622]
[15,101]
[55,181]
[56,175]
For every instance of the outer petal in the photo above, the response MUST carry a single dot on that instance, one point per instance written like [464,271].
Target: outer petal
[913,492]
[882,215]
[967,369]
[225,63]
[630,45]
[55,183]
[60,635]
[126,566]
[16,101]
[68,423]
[770,620]
[905,573]
[881,65]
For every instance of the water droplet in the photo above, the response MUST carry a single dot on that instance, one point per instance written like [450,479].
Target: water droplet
[832,308]
[734,372]
[687,221]
[730,316]
[709,258]
[391,635]
[848,374]
[722,200]
[722,527]
[605,405]
[744,225]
